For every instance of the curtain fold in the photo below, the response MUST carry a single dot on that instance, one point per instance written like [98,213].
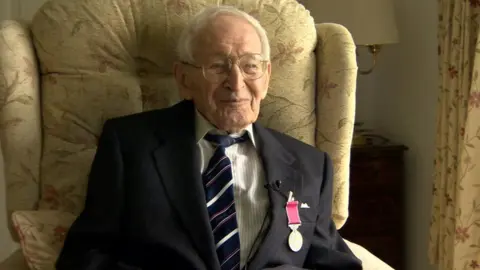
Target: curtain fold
[455,221]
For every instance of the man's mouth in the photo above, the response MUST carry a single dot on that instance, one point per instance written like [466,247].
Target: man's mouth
[235,100]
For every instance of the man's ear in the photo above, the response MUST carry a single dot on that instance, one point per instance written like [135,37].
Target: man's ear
[181,77]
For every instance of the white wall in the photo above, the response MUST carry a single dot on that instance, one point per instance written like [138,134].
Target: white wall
[404,109]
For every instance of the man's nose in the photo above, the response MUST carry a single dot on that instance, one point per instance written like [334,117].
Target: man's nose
[235,78]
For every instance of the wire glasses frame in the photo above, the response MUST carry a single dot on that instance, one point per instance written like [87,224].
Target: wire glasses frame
[252,66]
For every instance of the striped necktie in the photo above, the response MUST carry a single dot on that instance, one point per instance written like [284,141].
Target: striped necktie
[218,182]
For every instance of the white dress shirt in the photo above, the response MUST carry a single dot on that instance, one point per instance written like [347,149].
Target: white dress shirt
[250,195]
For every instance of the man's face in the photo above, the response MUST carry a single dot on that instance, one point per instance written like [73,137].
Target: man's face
[230,101]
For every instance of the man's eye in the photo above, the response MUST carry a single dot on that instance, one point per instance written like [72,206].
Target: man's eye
[217,68]
[250,67]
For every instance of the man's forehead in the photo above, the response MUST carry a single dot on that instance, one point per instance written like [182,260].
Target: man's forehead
[228,40]
[228,27]
[223,52]
[224,56]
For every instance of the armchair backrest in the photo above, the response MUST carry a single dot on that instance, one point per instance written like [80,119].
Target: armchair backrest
[102,59]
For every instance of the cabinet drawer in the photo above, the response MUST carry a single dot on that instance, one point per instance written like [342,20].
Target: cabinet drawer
[376,172]
[376,203]
[375,212]
[359,226]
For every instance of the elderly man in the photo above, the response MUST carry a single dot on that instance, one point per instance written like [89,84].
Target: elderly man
[200,185]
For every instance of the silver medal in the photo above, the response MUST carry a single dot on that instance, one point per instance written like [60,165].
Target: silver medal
[295,240]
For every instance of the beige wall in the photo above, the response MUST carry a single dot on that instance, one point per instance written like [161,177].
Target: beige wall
[404,107]
[405,102]
[26,8]
[19,9]
[399,101]
[5,9]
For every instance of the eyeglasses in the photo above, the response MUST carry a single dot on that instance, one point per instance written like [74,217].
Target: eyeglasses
[217,70]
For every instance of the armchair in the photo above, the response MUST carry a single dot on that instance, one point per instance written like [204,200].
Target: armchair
[80,62]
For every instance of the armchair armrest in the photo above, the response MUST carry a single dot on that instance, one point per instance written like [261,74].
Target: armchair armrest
[20,119]
[369,261]
[336,86]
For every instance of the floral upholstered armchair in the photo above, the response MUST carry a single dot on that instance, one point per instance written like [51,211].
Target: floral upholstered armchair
[81,62]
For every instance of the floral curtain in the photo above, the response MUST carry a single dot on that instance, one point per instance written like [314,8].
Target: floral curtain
[455,223]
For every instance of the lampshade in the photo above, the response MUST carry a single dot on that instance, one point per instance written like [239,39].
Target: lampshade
[370,21]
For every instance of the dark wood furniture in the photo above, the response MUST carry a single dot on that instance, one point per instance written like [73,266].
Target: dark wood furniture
[376,215]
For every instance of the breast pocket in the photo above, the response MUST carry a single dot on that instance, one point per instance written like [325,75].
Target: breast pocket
[307,210]
[308,216]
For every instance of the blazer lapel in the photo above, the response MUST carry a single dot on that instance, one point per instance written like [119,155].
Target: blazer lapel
[279,172]
[177,163]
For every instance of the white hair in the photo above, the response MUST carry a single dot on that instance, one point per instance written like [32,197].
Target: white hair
[207,15]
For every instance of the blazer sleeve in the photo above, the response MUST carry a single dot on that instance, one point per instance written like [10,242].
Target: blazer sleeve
[328,250]
[91,241]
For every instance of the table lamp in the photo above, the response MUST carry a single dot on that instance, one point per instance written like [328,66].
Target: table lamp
[371,22]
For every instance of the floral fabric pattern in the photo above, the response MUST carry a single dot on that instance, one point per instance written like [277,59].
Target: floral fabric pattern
[455,222]
[42,234]
[20,117]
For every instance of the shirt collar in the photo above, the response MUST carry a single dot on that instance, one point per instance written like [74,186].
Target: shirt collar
[203,127]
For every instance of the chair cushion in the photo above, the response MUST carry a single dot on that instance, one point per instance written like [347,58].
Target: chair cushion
[42,234]
[101,59]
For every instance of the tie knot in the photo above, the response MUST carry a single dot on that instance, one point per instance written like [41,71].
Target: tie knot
[225,140]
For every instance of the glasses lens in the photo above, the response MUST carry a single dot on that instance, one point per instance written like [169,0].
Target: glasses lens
[252,66]
[216,70]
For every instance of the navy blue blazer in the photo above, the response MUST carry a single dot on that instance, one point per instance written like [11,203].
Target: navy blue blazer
[145,206]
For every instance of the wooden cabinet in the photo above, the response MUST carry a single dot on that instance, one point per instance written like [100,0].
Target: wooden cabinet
[376,209]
